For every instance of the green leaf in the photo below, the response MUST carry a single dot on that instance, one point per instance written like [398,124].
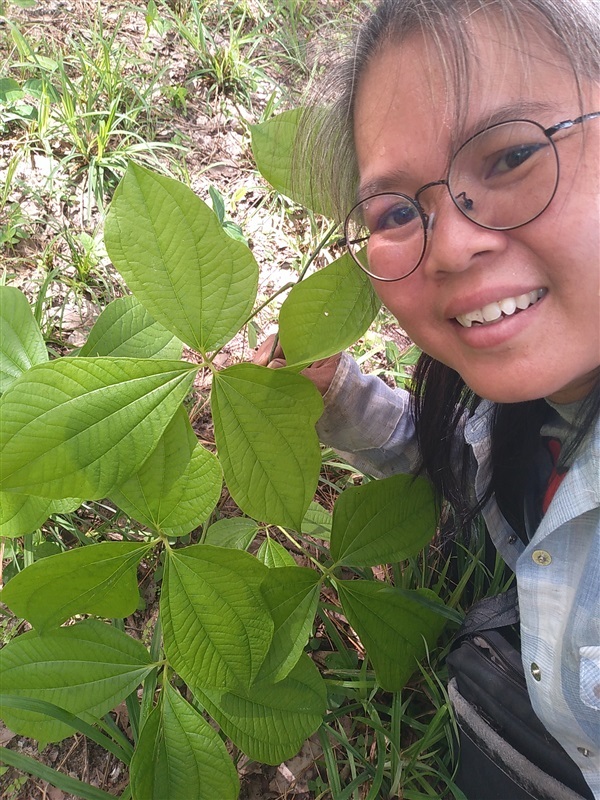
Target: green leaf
[10,91]
[272,554]
[178,261]
[97,579]
[317,522]
[269,722]
[81,426]
[273,145]
[238,532]
[264,428]
[184,506]
[217,628]
[21,342]
[394,625]
[383,521]
[177,487]
[22,513]
[170,458]
[126,329]
[326,312]
[87,669]
[292,594]
[180,756]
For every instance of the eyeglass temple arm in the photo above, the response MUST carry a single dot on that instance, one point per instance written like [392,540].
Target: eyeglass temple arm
[568,123]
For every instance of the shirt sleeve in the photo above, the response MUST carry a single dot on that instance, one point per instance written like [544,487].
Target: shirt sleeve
[369,424]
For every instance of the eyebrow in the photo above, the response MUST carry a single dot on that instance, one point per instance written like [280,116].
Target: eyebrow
[521,109]
[385,183]
[395,177]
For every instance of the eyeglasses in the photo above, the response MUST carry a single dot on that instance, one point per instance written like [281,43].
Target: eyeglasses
[501,178]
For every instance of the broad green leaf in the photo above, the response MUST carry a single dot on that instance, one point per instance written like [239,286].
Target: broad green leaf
[81,426]
[273,145]
[184,506]
[97,579]
[238,532]
[22,513]
[64,506]
[25,513]
[317,522]
[21,342]
[292,594]
[10,91]
[178,261]
[179,756]
[170,458]
[177,487]
[126,329]
[264,428]
[87,669]
[386,520]
[326,312]
[217,627]
[269,722]
[272,554]
[394,625]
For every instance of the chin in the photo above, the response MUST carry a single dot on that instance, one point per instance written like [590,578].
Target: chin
[512,393]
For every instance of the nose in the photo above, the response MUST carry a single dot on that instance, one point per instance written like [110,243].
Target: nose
[455,242]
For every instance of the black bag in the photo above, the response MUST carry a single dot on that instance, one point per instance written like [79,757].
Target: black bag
[506,752]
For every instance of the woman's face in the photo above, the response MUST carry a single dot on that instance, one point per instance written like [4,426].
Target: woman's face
[404,130]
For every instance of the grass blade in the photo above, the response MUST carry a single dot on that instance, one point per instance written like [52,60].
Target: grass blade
[64,782]
[51,710]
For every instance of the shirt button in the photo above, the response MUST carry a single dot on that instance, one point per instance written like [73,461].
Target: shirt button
[584,751]
[512,539]
[541,557]
[536,671]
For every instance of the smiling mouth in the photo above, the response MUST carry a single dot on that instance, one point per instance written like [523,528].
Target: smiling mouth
[502,308]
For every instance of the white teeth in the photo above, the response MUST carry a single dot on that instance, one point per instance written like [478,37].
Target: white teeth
[508,306]
[505,307]
[491,312]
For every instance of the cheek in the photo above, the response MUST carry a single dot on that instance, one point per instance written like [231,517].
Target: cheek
[406,301]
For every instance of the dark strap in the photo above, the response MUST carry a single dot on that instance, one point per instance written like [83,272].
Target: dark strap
[491,612]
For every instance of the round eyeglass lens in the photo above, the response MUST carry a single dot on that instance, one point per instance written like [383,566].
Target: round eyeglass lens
[505,176]
[385,236]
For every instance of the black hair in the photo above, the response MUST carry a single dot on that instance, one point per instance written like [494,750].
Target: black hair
[515,429]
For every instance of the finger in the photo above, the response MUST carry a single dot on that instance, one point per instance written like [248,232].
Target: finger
[264,352]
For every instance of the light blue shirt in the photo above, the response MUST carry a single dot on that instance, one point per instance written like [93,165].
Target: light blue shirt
[557,572]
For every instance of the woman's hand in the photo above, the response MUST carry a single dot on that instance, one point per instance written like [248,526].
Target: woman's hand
[320,372]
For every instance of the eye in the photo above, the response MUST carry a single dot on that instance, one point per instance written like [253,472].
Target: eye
[389,214]
[512,158]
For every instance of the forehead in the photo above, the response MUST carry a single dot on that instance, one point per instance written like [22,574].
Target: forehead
[412,107]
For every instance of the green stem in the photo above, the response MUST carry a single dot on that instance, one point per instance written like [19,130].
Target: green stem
[303,551]
[132,703]
[329,233]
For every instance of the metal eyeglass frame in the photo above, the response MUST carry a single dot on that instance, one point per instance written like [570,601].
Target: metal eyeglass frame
[425,218]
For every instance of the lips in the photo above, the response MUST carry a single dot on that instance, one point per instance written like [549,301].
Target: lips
[506,307]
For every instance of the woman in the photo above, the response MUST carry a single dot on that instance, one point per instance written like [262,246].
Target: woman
[466,138]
